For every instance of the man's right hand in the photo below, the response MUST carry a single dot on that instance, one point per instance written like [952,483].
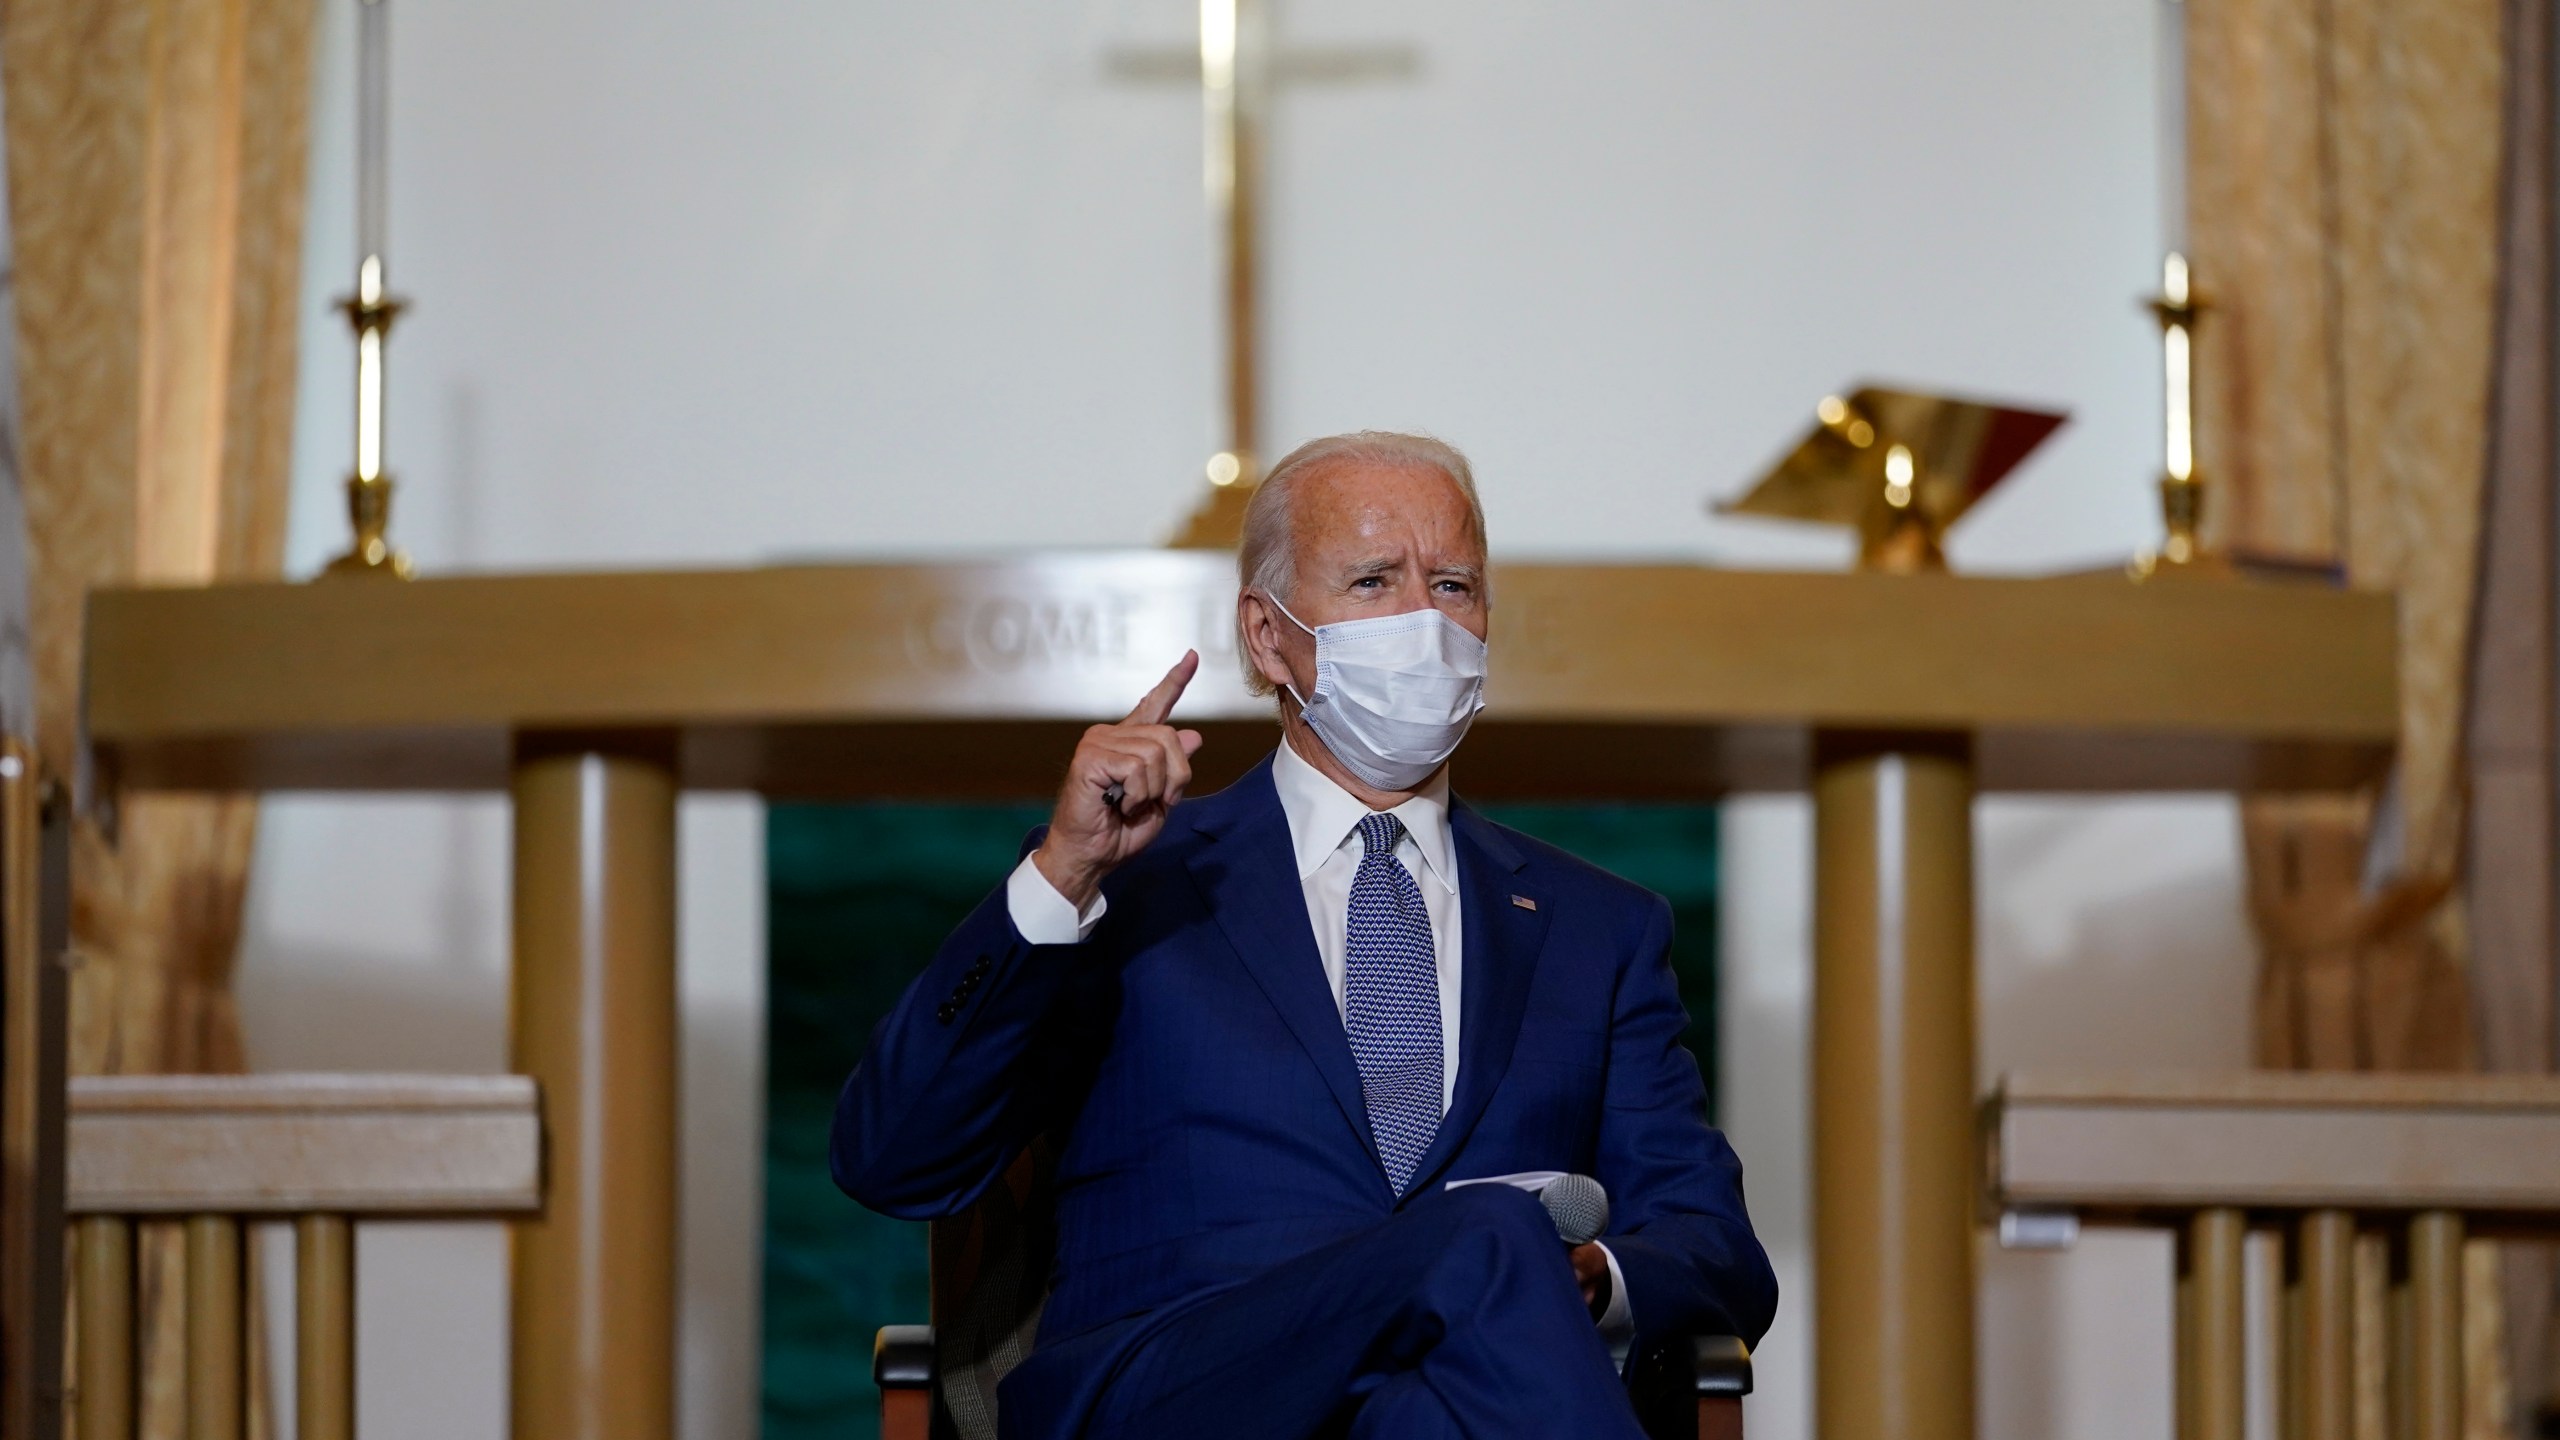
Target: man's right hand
[1151,763]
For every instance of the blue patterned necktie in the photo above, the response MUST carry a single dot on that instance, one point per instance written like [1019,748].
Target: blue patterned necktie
[1391,1001]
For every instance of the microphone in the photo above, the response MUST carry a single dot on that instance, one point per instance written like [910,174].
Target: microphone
[1578,1205]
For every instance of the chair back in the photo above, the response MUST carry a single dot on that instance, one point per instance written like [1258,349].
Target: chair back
[990,1271]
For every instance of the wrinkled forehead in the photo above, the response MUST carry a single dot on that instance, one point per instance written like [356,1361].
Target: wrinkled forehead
[1361,502]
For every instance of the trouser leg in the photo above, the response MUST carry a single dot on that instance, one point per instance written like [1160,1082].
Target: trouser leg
[1404,1408]
[1467,1295]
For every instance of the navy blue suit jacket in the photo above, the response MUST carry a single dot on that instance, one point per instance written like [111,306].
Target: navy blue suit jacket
[1192,1066]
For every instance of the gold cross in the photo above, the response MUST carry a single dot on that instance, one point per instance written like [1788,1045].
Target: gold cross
[1235,69]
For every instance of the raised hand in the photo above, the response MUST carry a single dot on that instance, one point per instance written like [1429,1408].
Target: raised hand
[1123,781]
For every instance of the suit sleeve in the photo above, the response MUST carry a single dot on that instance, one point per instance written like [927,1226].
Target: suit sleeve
[1680,1233]
[976,1059]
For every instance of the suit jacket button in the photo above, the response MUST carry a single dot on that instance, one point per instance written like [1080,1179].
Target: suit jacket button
[985,964]
[947,1011]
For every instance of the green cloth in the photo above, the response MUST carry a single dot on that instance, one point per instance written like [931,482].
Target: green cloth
[858,898]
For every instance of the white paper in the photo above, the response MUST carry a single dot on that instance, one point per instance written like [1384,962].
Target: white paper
[1532,1181]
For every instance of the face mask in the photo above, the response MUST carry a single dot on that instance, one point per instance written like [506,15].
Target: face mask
[1394,694]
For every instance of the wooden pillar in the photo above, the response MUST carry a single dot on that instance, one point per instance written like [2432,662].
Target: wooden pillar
[2319,1377]
[324,1289]
[105,1299]
[595,1023]
[2426,1311]
[1893,1001]
[217,1367]
[2213,1395]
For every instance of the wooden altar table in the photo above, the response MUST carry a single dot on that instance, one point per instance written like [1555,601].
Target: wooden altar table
[593,699]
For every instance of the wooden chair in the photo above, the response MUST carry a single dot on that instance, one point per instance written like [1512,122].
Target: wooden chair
[989,1275]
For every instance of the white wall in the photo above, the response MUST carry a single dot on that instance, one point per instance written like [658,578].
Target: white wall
[720,284]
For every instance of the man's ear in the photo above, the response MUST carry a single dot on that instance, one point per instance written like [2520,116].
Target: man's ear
[1259,623]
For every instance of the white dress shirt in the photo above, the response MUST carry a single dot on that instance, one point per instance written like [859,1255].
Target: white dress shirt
[1324,833]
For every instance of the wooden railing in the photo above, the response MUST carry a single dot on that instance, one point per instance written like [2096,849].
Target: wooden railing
[214,1152]
[2320,1159]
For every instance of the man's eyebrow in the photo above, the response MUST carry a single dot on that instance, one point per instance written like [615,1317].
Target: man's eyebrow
[1462,571]
[1374,565]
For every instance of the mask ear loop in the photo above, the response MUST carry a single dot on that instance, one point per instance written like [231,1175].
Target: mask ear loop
[1283,609]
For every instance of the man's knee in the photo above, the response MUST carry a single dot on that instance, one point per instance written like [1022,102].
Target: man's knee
[1405,1407]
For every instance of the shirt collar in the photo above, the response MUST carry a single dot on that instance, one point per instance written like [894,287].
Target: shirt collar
[1322,816]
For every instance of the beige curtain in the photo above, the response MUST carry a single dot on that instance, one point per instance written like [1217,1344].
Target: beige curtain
[2345,158]
[156,155]
[2345,162]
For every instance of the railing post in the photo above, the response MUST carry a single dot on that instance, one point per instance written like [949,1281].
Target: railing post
[324,1287]
[105,1299]
[214,1352]
[2213,1397]
[2319,1382]
[2426,1311]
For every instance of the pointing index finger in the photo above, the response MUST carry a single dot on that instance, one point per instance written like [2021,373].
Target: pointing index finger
[1159,702]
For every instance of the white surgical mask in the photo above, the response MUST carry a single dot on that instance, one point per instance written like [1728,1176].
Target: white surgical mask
[1394,694]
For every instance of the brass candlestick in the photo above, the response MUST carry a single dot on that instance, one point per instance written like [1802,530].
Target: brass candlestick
[371,312]
[2178,307]
[371,309]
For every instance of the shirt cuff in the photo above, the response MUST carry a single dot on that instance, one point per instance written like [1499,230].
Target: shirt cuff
[1617,1322]
[1044,917]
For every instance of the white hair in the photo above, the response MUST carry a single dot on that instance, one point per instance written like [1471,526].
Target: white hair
[1263,555]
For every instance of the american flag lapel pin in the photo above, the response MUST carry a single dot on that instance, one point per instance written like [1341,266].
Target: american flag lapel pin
[1524,902]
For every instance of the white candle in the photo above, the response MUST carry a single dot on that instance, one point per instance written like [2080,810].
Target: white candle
[369,376]
[2173,124]
[373,127]
[2178,455]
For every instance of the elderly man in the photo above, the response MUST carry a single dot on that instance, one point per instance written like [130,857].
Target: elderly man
[1272,1030]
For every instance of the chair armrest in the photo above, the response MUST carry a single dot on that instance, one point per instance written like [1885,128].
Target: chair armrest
[1721,1365]
[1674,1380]
[902,1357]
